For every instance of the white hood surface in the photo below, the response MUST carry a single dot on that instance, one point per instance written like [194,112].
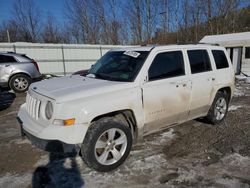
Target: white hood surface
[75,86]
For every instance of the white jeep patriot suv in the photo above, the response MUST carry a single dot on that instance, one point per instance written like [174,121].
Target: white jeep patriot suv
[127,94]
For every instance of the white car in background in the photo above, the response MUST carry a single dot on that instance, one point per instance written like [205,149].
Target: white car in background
[126,95]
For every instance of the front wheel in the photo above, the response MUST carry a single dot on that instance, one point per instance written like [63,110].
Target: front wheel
[107,144]
[219,108]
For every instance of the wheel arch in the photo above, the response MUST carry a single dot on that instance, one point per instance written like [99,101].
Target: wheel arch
[227,91]
[126,115]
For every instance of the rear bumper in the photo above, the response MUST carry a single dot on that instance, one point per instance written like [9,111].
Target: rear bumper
[38,78]
[48,145]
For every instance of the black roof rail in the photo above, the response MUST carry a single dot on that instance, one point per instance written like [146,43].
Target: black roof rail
[184,43]
[212,44]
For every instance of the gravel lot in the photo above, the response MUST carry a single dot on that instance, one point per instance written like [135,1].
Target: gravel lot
[194,154]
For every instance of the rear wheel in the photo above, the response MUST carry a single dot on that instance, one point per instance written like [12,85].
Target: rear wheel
[107,144]
[20,83]
[219,108]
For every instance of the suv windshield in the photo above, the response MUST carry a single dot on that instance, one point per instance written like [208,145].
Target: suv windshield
[119,65]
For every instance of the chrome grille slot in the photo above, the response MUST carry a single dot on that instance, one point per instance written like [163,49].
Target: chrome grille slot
[33,106]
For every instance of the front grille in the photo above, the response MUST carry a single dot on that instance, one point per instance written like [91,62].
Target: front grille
[33,106]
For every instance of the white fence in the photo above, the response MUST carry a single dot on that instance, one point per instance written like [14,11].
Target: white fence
[60,59]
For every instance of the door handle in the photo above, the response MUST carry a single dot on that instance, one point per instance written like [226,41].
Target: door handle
[211,79]
[177,84]
[7,65]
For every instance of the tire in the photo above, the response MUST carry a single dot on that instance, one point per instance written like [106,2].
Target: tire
[20,83]
[100,149]
[219,108]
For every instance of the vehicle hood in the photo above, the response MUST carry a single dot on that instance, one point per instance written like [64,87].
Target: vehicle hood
[74,87]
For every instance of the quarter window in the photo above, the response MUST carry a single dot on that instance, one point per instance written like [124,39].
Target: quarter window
[247,53]
[166,65]
[2,59]
[199,61]
[220,59]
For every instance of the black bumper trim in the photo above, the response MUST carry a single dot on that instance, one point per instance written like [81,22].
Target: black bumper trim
[55,146]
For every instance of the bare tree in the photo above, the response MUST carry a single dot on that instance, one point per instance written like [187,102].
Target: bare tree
[134,13]
[143,17]
[85,16]
[9,28]
[51,32]
[28,19]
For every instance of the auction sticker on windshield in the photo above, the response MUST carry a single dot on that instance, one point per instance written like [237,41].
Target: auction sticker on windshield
[132,53]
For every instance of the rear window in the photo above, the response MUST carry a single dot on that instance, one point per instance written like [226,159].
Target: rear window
[7,59]
[220,59]
[199,61]
[26,56]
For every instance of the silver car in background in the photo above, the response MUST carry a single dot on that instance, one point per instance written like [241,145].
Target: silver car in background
[17,71]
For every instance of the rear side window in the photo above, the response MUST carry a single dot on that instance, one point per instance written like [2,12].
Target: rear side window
[220,59]
[199,61]
[166,65]
[7,59]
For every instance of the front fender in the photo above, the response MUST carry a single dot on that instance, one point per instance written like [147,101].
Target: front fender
[87,109]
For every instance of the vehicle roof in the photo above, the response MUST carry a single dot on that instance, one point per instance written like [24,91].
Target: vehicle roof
[162,47]
[11,53]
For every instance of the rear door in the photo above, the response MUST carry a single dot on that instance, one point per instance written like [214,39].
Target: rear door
[1,68]
[202,78]
[166,94]
[6,65]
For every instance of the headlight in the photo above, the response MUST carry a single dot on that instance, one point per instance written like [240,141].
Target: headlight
[49,110]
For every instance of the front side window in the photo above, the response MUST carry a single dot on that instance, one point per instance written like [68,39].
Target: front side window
[166,65]
[220,59]
[119,65]
[247,53]
[199,61]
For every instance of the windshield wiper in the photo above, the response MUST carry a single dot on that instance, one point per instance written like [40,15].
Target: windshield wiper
[100,76]
[108,77]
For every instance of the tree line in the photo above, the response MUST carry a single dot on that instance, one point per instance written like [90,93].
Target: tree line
[126,21]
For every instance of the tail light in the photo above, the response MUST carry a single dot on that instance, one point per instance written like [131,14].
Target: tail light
[36,65]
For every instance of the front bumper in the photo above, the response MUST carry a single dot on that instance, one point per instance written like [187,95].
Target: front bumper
[42,135]
[48,145]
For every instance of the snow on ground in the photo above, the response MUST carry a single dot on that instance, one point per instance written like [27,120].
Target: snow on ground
[231,171]
[144,162]
[15,181]
[239,92]
[234,107]
[147,165]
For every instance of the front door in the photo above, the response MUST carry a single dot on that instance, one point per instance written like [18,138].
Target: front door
[166,94]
